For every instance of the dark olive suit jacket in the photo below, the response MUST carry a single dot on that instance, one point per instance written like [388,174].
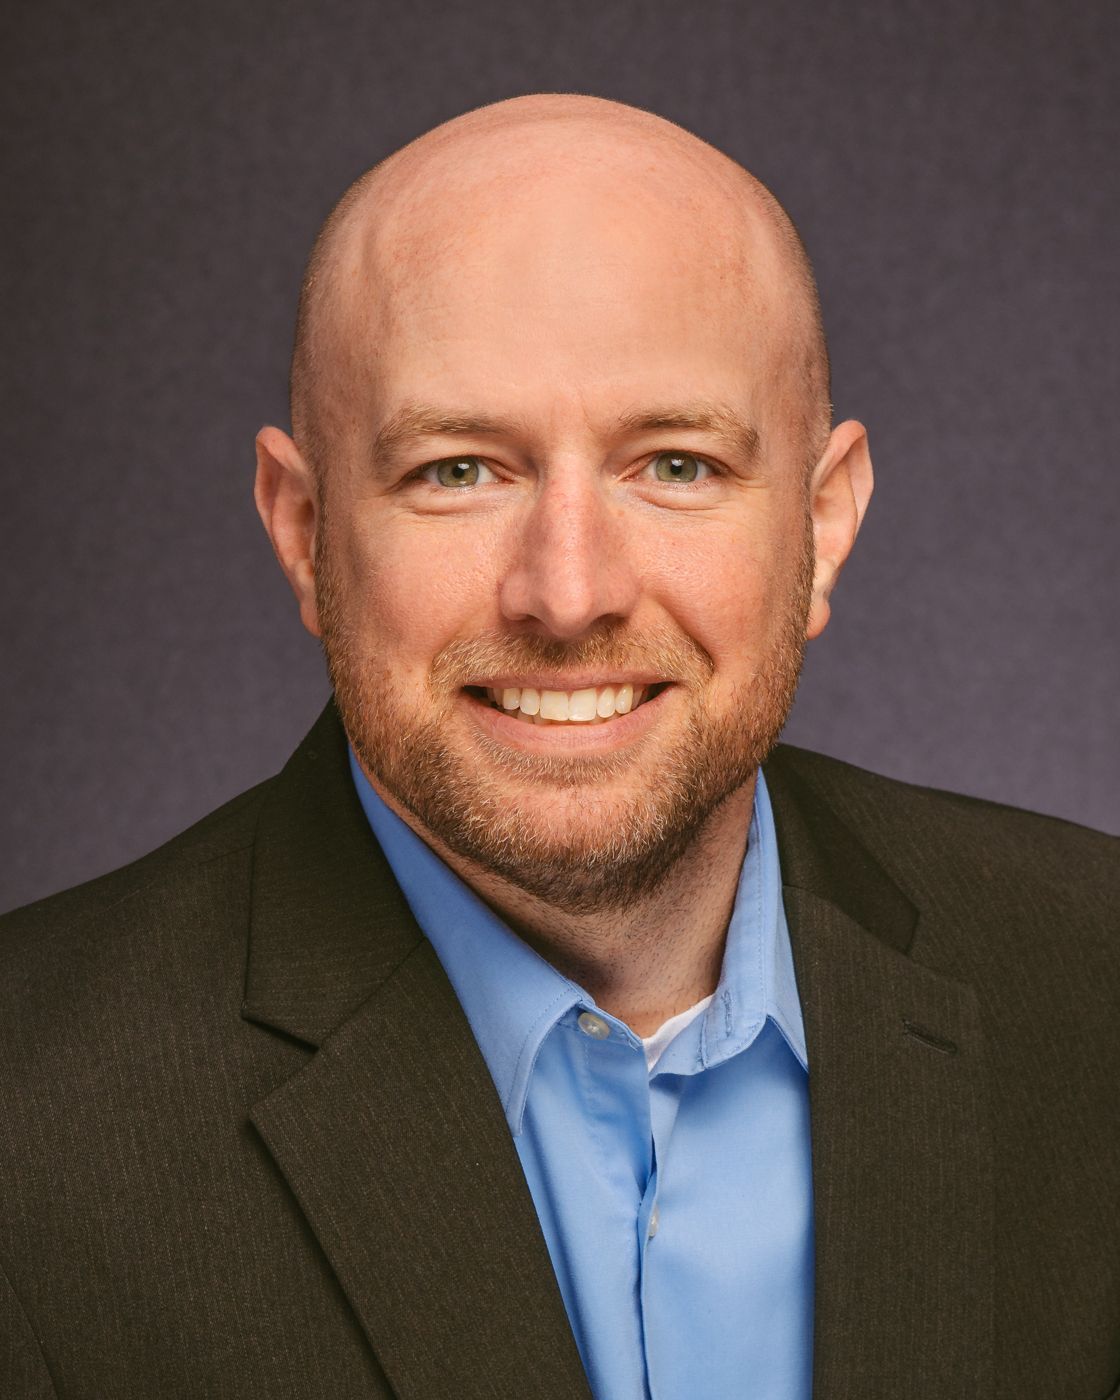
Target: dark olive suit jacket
[249,1148]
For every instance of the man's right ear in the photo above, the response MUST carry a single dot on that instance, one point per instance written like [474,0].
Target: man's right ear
[287,501]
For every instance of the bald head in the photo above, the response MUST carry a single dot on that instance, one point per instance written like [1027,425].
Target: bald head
[553,190]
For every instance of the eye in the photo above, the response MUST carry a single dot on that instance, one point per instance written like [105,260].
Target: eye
[681,467]
[456,472]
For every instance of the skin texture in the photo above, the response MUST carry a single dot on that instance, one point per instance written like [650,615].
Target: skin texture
[575,288]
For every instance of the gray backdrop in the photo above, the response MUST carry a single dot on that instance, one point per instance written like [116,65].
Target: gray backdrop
[952,166]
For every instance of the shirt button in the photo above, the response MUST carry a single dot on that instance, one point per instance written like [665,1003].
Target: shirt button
[593,1025]
[654,1221]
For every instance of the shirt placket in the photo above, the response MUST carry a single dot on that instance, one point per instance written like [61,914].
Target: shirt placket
[618,1111]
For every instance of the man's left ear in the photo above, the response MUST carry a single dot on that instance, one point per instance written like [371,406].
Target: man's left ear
[839,491]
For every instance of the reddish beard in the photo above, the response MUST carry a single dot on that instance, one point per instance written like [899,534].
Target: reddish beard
[616,847]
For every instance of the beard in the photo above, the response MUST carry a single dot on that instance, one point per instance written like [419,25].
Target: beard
[613,848]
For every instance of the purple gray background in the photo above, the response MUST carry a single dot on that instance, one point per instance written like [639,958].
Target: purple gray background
[953,169]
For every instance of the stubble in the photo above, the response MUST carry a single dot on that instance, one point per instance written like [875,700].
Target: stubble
[630,816]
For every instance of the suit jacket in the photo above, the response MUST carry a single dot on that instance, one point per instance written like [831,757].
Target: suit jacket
[249,1147]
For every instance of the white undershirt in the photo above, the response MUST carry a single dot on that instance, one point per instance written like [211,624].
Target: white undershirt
[656,1044]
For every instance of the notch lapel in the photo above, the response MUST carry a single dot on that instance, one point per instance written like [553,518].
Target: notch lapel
[392,1136]
[899,1121]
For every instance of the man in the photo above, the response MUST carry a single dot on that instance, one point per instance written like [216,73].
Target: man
[525,1037]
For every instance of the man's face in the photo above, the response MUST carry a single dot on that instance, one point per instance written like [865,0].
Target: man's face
[575,523]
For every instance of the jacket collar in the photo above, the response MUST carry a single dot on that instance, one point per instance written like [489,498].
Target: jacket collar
[822,856]
[328,922]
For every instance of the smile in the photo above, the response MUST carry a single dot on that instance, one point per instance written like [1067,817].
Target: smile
[589,705]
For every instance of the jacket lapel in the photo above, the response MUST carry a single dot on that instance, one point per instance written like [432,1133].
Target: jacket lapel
[392,1136]
[899,1122]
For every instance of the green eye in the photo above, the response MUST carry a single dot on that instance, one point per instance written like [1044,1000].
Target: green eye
[677,466]
[457,471]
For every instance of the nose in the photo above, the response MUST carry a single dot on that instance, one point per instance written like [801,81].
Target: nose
[570,564]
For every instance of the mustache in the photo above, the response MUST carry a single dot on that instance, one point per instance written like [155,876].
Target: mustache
[663,651]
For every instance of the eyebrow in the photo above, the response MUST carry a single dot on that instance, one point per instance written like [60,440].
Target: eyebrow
[716,419]
[420,420]
[416,420]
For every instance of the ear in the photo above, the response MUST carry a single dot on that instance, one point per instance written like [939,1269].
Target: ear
[287,501]
[839,491]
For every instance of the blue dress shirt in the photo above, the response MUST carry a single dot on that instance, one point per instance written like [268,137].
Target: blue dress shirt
[676,1202]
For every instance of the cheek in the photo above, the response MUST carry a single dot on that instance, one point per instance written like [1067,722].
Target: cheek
[417,585]
[728,586]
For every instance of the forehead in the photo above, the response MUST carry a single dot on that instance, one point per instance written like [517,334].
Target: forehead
[597,280]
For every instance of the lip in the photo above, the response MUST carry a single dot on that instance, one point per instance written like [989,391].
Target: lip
[565,738]
[585,680]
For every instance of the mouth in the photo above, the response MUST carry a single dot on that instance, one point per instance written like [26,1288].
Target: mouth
[588,706]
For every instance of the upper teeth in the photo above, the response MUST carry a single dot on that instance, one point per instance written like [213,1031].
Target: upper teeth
[586,706]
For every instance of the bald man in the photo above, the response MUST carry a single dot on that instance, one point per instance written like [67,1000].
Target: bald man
[545,1029]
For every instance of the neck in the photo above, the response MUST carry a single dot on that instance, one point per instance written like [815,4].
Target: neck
[657,956]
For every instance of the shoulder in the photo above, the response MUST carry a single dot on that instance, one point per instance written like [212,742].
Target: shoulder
[924,824]
[995,887]
[123,917]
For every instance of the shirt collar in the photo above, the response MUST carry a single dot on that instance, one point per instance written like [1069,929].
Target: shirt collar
[757,981]
[513,998]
